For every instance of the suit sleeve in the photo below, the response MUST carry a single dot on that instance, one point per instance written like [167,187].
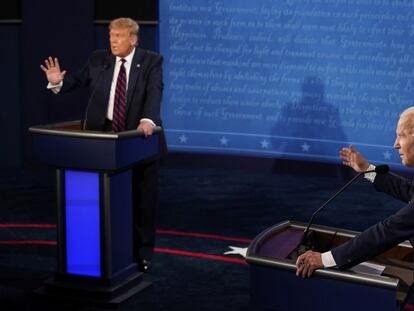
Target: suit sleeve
[77,80]
[395,186]
[89,72]
[154,89]
[376,239]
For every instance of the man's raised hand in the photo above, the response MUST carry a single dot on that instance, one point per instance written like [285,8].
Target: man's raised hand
[52,70]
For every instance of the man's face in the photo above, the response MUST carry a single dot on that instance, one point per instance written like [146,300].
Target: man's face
[404,142]
[121,41]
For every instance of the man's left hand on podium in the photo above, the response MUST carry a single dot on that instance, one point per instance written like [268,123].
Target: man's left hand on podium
[146,127]
[307,263]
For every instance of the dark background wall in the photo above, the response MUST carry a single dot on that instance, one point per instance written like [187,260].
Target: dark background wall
[30,31]
[10,117]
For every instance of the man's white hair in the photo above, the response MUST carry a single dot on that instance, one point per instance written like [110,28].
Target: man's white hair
[409,110]
[408,115]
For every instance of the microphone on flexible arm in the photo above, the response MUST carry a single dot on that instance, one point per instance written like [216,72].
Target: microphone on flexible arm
[105,66]
[380,169]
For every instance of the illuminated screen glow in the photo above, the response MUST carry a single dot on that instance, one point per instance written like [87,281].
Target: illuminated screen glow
[286,79]
[82,223]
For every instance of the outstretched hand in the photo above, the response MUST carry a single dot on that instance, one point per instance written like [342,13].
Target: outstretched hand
[52,70]
[352,158]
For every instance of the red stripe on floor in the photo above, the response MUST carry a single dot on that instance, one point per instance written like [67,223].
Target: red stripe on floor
[159,231]
[200,255]
[42,226]
[157,249]
[203,235]
[28,242]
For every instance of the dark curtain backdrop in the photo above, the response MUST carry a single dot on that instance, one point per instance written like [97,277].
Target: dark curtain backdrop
[10,91]
[65,31]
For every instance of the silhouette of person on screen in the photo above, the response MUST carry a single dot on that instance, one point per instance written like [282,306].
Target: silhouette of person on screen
[309,127]
[126,88]
[387,233]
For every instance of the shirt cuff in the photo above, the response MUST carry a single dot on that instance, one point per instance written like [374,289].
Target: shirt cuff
[55,88]
[370,176]
[147,120]
[327,260]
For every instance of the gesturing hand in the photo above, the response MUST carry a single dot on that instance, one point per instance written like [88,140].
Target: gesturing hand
[352,158]
[52,70]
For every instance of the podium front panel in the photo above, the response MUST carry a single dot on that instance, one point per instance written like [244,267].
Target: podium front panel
[93,153]
[82,215]
[278,289]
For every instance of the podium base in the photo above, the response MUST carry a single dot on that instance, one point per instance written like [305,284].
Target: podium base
[86,294]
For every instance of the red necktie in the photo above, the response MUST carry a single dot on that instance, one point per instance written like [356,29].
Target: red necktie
[118,118]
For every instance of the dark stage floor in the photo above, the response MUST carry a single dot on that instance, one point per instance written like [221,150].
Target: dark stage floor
[203,211]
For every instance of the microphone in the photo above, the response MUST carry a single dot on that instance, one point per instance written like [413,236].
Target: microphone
[85,113]
[380,169]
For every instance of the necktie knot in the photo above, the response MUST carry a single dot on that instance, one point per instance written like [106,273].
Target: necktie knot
[123,60]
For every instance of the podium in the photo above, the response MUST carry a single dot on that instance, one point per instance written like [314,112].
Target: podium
[274,285]
[94,210]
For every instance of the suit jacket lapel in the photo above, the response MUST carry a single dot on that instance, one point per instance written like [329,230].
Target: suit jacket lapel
[133,74]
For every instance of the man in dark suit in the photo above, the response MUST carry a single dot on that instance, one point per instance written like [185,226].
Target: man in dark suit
[385,234]
[125,93]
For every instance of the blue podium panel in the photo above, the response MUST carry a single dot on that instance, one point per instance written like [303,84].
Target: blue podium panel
[82,214]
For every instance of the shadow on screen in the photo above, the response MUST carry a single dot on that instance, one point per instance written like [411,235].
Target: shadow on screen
[309,129]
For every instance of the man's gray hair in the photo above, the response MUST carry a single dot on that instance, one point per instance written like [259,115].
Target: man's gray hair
[125,22]
[409,112]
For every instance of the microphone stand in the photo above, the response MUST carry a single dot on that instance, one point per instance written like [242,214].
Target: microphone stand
[306,232]
[85,113]
[380,169]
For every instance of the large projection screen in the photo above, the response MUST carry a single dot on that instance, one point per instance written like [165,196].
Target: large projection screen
[286,79]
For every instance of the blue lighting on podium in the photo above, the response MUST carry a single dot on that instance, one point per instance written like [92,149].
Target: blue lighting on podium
[82,223]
